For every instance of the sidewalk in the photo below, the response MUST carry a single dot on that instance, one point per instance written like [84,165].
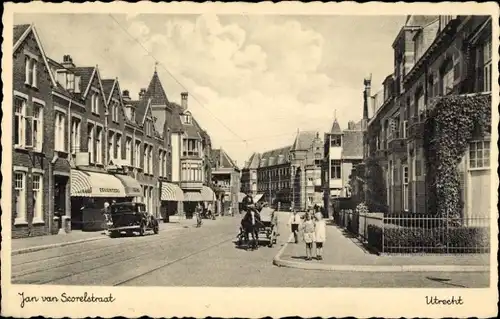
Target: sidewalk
[30,244]
[343,253]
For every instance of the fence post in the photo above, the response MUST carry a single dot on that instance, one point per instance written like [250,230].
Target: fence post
[383,231]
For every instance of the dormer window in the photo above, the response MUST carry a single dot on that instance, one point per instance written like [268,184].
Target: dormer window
[186,118]
[70,81]
[95,102]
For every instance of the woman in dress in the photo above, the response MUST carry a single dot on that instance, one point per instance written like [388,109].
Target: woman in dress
[319,235]
[308,230]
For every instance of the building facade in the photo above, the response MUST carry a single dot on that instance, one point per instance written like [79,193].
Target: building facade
[226,178]
[434,56]
[249,177]
[343,149]
[81,141]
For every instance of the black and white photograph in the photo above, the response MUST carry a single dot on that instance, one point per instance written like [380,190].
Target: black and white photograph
[152,148]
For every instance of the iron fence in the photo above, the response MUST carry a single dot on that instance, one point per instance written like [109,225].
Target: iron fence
[414,233]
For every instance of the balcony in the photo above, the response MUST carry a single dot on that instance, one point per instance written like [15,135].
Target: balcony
[191,185]
[416,130]
[397,145]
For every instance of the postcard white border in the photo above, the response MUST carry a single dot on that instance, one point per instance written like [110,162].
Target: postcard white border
[232,302]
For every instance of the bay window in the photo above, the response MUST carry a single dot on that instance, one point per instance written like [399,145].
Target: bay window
[335,169]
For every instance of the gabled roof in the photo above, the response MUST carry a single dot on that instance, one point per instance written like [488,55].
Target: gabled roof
[352,144]
[303,140]
[108,85]
[86,73]
[176,125]
[335,128]
[253,161]
[222,159]
[21,32]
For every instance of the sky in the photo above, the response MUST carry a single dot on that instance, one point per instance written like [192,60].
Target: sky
[253,80]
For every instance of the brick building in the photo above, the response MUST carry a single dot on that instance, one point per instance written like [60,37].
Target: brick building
[249,177]
[81,141]
[433,56]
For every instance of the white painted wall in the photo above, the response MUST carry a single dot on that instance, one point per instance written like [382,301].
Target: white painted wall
[176,151]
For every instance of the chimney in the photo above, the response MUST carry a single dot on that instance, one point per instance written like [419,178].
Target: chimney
[142,93]
[126,95]
[68,62]
[184,100]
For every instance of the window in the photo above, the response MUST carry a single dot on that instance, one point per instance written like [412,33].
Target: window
[114,112]
[335,140]
[37,198]
[31,71]
[37,127]
[111,145]
[420,103]
[406,179]
[187,118]
[405,129]
[190,147]
[479,155]
[335,169]
[75,135]
[137,156]
[20,196]
[70,81]
[59,132]
[118,146]
[19,121]
[150,158]
[447,77]
[146,160]
[95,103]
[90,142]
[98,144]
[128,151]
[161,159]
[487,66]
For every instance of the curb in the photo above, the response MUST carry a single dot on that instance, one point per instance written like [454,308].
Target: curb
[44,247]
[277,261]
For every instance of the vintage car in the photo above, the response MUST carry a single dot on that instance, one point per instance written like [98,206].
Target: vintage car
[131,217]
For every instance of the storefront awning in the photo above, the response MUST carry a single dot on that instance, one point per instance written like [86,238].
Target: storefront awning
[207,194]
[171,192]
[257,197]
[241,196]
[92,184]
[192,197]
[132,186]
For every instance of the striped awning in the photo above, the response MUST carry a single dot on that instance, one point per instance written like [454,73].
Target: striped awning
[132,186]
[257,197]
[92,184]
[192,197]
[207,194]
[240,197]
[171,192]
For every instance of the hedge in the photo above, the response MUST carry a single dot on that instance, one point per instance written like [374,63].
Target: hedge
[429,240]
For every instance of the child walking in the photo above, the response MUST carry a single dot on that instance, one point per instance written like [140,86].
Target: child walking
[308,229]
[320,235]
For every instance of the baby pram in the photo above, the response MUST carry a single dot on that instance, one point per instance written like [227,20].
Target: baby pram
[269,223]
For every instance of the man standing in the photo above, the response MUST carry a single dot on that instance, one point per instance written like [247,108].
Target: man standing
[294,222]
[246,202]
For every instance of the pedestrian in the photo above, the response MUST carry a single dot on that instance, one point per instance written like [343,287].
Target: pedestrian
[106,214]
[308,231]
[319,235]
[294,223]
